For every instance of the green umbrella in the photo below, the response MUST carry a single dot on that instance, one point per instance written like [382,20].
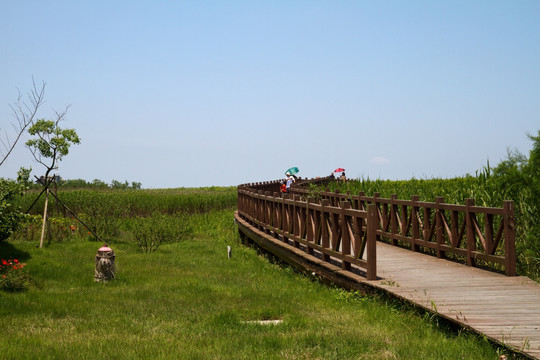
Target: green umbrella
[292,171]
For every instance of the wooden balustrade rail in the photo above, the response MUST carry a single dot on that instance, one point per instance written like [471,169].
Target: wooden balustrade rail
[342,233]
[478,236]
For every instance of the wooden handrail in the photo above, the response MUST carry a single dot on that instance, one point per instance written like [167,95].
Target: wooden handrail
[473,234]
[337,233]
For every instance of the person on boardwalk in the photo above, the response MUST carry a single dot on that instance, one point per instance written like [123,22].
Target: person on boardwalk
[283,187]
[290,181]
[343,177]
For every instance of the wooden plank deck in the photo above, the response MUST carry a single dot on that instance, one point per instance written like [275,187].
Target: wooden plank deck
[505,309]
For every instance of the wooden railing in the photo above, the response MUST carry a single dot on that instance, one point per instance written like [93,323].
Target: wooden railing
[480,236]
[334,233]
[338,225]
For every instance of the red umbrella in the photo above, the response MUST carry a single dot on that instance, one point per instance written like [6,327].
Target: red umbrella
[339,170]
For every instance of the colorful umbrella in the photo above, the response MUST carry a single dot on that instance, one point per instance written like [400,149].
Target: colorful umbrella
[291,171]
[339,170]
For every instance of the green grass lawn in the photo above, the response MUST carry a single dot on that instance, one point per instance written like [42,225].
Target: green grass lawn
[187,300]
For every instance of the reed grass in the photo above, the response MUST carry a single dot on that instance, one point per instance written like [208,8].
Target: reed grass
[128,203]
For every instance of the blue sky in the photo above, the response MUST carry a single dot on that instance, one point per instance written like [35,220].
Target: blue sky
[202,93]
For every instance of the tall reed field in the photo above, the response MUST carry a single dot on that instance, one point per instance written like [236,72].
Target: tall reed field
[107,212]
[187,299]
[131,202]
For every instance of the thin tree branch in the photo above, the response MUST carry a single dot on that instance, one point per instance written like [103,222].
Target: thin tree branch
[25,114]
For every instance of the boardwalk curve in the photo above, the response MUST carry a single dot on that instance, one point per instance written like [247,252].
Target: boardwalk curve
[506,309]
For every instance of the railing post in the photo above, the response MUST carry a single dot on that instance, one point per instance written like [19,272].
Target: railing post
[471,237]
[268,204]
[376,197]
[275,213]
[335,199]
[393,218]
[281,217]
[439,227]
[325,236]
[385,221]
[372,226]
[509,238]
[287,219]
[361,201]
[415,226]
[426,233]
[260,210]
[310,225]
[345,238]
[239,199]
[295,231]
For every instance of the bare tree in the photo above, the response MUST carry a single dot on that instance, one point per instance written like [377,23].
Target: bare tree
[24,112]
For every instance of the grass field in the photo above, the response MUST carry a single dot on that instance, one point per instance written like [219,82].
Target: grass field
[188,300]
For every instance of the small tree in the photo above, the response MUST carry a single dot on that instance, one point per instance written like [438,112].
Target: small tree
[52,142]
[49,146]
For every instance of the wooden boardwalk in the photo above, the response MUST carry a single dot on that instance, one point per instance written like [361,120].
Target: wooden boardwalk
[505,309]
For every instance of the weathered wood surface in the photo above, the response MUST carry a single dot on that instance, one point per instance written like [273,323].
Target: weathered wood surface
[505,309]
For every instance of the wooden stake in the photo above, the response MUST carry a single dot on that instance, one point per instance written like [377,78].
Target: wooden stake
[44,218]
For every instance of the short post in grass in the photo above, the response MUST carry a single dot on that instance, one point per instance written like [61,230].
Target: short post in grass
[105,267]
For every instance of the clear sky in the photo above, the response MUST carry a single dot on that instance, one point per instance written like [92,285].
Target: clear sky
[202,93]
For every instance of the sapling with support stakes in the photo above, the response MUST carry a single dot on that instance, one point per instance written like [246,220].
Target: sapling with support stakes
[46,185]
[49,145]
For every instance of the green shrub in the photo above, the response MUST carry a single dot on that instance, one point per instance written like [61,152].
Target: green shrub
[12,275]
[10,211]
[150,232]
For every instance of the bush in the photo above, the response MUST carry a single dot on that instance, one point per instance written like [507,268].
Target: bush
[10,213]
[151,232]
[519,178]
[12,276]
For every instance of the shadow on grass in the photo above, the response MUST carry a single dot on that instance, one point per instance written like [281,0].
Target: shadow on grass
[8,251]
